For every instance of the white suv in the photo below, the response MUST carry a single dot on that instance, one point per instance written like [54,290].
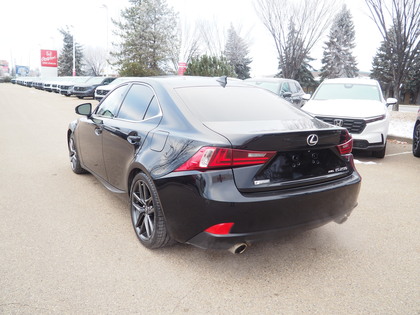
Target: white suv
[358,105]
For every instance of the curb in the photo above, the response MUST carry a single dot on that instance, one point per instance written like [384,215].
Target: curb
[398,138]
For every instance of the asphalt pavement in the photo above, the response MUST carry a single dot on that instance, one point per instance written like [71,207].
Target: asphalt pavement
[67,245]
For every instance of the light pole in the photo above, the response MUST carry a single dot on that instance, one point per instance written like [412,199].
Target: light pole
[74,53]
[104,6]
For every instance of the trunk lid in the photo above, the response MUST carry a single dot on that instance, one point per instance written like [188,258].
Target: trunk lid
[305,156]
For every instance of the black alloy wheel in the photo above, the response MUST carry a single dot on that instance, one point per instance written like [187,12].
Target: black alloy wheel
[416,141]
[146,213]
[74,157]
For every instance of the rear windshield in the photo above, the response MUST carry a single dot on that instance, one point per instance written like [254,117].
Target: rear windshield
[213,103]
[340,91]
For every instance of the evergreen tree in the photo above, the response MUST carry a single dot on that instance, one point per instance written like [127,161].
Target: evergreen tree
[210,67]
[236,51]
[305,77]
[382,66]
[65,60]
[338,59]
[411,84]
[148,31]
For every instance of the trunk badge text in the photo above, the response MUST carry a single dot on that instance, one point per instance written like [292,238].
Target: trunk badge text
[312,140]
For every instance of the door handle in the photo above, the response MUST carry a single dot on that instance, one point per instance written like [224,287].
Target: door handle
[134,139]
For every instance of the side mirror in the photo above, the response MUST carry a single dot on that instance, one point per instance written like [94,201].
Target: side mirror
[306,97]
[84,109]
[391,101]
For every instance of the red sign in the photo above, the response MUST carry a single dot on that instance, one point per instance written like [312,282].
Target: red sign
[49,58]
[182,67]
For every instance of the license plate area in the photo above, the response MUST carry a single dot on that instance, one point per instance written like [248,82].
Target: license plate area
[301,165]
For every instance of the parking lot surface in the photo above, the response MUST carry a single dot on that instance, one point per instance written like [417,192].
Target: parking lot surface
[67,245]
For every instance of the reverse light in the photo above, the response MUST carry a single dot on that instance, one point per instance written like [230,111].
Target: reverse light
[220,229]
[346,143]
[217,158]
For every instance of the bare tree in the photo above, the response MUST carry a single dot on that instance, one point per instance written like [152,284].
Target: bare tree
[212,37]
[95,60]
[296,26]
[399,18]
[190,45]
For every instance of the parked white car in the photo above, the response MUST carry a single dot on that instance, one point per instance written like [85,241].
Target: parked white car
[358,105]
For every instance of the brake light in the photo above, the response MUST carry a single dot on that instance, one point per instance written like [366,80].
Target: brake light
[346,143]
[217,158]
[220,229]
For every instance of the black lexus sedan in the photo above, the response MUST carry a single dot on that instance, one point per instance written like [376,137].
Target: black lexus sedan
[214,162]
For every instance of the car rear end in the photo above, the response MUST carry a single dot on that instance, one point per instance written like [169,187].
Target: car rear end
[279,170]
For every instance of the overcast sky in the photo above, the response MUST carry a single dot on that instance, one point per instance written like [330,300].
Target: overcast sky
[26,26]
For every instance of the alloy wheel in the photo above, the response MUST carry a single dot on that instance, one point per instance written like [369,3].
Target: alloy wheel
[143,211]
[73,154]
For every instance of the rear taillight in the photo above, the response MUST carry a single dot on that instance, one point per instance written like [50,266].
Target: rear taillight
[216,158]
[346,143]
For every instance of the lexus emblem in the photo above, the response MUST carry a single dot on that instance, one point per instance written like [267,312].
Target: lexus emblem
[338,122]
[312,140]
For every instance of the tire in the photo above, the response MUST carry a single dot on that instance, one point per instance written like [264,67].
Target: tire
[80,97]
[146,213]
[379,154]
[74,157]
[416,141]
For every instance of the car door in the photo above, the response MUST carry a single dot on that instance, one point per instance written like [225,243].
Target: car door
[125,135]
[90,132]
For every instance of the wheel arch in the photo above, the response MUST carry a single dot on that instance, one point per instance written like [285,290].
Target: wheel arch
[136,168]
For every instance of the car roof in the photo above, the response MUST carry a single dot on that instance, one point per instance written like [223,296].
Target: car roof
[177,81]
[365,81]
[269,80]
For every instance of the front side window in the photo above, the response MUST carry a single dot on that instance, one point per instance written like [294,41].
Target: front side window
[285,87]
[109,106]
[136,102]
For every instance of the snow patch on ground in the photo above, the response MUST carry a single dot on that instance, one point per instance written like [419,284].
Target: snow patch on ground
[366,163]
[402,124]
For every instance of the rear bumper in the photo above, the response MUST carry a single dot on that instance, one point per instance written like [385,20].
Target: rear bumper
[207,240]
[193,203]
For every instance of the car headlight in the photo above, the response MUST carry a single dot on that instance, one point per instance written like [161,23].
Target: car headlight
[376,118]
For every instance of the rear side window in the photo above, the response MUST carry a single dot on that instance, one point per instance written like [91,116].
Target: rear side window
[294,87]
[136,102]
[235,104]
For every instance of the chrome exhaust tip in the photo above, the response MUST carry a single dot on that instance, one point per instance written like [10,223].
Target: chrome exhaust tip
[238,248]
[342,219]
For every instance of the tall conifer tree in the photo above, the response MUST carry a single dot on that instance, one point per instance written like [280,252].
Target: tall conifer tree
[148,32]
[65,60]
[338,60]
[236,52]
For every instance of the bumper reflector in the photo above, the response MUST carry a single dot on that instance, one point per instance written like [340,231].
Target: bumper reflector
[221,229]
